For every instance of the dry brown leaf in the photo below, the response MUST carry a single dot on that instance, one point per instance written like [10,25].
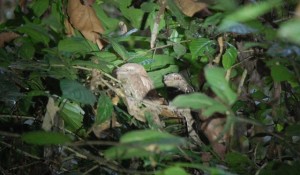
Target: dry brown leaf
[6,37]
[190,7]
[155,29]
[84,19]
[49,118]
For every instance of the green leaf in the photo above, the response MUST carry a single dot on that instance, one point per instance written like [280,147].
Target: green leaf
[36,32]
[199,101]
[124,3]
[155,62]
[216,79]
[238,162]
[149,7]
[173,170]
[72,114]
[293,130]
[101,65]
[119,49]
[193,100]
[104,108]
[202,47]
[143,143]
[280,73]
[74,44]
[75,91]
[290,31]
[157,76]
[45,138]
[179,49]
[177,13]
[109,23]
[252,11]
[39,7]
[135,16]
[229,57]
[26,51]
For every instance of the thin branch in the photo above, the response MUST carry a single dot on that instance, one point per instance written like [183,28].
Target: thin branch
[21,151]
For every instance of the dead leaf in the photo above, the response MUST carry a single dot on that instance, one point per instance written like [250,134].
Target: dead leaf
[6,37]
[190,7]
[84,19]
[155,29]
[49,118]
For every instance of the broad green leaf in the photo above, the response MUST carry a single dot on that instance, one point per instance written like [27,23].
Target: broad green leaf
[172,171]
[208,105]
[179,49]
[157,76]
[135,16]
[109,23]
[119,49]
[149,7]
[216,79]
[102,65]
[213,19]
[177,13]
[36,32]
[193,100]
[202,47]
[74,44]
[154,62]
[146,135]
[39,7]
[280,73]
[73,90]
[293,130]
[26,51]
[45,138]
[225,5]
[106,56]
[229,57]
[72,114]
[124,3]
[143,143]
[238,162]
[252,11]
[104,108]
[290,31]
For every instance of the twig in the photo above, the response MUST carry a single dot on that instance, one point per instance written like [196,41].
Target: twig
[242,82]
[17,117]
[9,134]
[20,151]
[105,74]
[109,164]
[91,169]
[24,166]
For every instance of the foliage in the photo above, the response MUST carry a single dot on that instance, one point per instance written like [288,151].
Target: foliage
[241,58]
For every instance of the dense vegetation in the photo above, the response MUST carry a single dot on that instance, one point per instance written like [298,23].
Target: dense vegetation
[66,105]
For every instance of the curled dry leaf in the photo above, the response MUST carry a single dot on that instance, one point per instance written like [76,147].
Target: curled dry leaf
[190,7]
[84,19]
[50,117]
[6,37]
